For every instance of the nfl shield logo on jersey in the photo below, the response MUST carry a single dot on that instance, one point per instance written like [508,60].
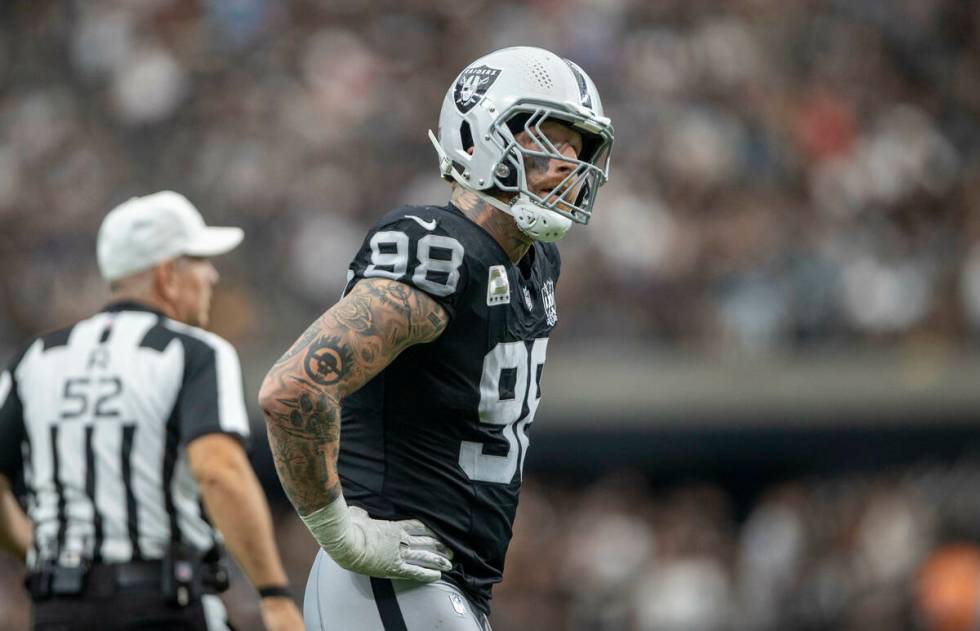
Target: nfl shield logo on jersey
[498,287]
[458,605]
[472,84]
[548,298]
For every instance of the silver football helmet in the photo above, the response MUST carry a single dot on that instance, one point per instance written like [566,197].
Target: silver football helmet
[516,90]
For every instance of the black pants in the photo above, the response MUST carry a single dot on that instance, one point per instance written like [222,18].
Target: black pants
[132,611]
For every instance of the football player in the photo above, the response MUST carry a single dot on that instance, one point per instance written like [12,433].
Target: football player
[400,419]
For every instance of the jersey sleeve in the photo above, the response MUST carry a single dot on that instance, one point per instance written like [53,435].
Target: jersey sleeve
[212,398]
[11,426]
[413,246]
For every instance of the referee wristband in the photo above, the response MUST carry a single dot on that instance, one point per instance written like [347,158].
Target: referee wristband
[274,591]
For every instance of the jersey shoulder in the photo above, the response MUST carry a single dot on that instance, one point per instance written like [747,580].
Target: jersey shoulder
[195,335]
[38,344]
[441,220]
[204,351]
[432,248]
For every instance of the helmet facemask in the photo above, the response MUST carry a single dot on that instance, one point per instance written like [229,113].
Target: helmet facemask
[574,196]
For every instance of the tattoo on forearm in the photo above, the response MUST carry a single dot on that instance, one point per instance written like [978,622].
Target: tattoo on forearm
[340,352]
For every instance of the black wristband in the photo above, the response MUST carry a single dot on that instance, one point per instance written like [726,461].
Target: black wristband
[274,591]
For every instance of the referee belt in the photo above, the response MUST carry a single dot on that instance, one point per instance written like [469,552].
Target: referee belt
[108,579]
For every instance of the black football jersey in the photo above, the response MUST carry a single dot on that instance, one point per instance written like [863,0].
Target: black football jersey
[441,434]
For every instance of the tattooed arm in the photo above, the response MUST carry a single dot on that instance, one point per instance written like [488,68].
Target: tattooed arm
[340,352]
[301,399]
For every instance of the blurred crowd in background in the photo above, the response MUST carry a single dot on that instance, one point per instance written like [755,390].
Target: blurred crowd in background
[889,551]
[787,177]
[787,174]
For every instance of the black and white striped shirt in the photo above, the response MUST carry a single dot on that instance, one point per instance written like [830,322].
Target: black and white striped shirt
[96,418]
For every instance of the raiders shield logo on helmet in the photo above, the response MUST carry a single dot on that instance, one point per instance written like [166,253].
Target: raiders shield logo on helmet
[471,85]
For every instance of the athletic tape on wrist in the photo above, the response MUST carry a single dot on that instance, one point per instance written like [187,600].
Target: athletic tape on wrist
[329,525]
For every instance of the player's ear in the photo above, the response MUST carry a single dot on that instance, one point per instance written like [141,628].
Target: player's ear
[165,280]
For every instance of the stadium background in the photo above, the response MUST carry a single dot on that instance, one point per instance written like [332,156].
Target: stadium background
[761,402]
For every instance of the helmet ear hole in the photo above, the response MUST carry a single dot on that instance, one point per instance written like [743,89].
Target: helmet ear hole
[508,176]
[466,136]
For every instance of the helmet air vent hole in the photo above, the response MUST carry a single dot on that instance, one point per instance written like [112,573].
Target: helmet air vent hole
[541,75]
[465,135]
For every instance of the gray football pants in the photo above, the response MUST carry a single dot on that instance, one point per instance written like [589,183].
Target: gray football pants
[339,600]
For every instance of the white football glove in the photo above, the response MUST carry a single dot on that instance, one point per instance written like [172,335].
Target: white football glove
[386,549]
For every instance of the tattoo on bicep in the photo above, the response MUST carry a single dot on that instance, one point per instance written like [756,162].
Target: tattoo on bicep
[355,314]
[394,296]
[401,316]
[327,361]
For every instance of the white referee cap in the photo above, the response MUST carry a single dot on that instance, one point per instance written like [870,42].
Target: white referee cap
[145,231]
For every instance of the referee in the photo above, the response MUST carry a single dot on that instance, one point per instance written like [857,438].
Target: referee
[125,427]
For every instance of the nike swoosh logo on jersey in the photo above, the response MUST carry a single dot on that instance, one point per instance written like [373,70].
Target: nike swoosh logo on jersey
[428,225]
